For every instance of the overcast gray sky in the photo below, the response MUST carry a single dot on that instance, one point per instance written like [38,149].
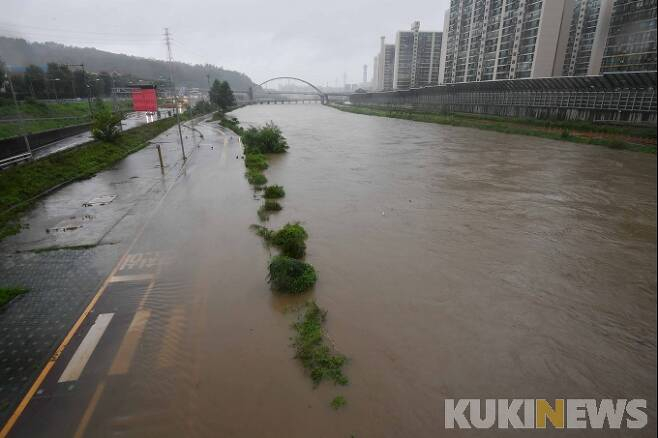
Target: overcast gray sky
[315,40]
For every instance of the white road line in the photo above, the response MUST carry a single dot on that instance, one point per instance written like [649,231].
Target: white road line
[86,348]
[136,277]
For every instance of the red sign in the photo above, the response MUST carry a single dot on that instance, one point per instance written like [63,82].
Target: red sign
[145,99]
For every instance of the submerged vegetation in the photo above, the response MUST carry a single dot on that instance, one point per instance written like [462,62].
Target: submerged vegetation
[338,402]
[269,206]
[256,161]
[9,293]
[290,239]
[312,350]
[256,177]
[287,273]
[228,122]
[273,192]
[290,275]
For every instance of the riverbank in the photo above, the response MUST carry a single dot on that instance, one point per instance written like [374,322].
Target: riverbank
[639,139]
[22,185]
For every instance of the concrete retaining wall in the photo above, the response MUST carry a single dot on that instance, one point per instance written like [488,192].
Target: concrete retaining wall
[13,146]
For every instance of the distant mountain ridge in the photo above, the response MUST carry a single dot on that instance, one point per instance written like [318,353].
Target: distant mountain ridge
[20,52]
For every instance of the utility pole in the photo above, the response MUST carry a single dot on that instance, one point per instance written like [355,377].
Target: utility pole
[88,85]
[171,79]
[20,116]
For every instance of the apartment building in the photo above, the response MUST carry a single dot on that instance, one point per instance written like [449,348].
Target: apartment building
[631,39]
[384,66]
[503,39]
[417,58]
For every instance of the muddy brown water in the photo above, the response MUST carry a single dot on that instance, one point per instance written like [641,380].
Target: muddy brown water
[458,263]
[454,263]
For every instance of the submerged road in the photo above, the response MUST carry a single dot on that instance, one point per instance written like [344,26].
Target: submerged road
[454,263]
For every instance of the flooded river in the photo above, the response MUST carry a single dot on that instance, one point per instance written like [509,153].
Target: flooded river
[454,263]
[458,263]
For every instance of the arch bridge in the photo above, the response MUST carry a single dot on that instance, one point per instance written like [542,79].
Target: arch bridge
[324,97]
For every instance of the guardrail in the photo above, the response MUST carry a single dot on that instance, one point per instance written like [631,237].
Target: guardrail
[14,150]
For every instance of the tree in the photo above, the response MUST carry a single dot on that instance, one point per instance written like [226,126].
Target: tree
[60,79]
[2,77]
[35,79]
[222,95]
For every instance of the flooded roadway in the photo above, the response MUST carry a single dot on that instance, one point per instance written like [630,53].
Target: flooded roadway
[454,263]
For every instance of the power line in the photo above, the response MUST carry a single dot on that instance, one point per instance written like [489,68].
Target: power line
[170,59]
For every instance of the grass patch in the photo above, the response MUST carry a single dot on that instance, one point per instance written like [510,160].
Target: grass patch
[290,275]
[21,185]
[274,192]
[338,402]
[290,239]
[9,293]
[314,353]
[615,137]
[76,113]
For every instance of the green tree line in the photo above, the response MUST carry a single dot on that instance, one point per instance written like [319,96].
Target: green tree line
[60,81]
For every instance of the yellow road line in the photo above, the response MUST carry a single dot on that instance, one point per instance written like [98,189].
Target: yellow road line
[171,338]
[6,428]
[51,362]
[124,356]
[91,407]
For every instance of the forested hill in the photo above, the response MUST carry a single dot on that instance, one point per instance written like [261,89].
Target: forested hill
[20,52]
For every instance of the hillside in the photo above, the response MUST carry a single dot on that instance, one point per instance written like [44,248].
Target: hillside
[20,52]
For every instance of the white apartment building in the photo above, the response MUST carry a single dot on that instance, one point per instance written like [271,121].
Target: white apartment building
[504,39]
[417,58]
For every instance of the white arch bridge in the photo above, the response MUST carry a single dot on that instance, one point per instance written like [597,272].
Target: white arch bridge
[263,95]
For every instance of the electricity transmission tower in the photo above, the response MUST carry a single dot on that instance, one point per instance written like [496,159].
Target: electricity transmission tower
[170,59]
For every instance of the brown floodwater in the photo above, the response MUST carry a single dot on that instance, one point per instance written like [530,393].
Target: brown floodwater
[453,263]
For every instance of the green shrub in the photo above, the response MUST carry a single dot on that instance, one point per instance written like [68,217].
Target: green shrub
[314,353]
[265,140]
[105,125]
[274,192]
[255,177]
[290,239]
[291,275]
[255,161]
